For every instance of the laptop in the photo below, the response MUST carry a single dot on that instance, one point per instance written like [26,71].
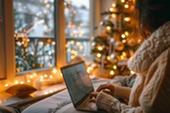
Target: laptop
[79,86]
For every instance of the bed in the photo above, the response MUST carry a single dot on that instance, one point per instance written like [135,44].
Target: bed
[59,103]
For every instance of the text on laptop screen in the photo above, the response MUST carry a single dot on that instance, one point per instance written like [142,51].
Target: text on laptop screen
[78,81]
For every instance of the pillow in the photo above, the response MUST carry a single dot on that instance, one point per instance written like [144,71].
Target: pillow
[21,90]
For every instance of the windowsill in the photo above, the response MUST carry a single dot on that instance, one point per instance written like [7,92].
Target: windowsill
[9,100]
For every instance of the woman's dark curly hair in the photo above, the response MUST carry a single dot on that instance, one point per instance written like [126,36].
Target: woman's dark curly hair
[152,14]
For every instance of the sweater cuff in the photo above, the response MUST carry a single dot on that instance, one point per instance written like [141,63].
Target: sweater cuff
[105,101]
[122,92]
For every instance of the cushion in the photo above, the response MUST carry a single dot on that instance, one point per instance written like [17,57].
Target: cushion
[21,90]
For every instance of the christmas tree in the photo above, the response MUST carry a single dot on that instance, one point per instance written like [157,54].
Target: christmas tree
[116,40]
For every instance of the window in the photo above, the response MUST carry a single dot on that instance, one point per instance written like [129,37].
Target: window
[77,14]
[33,37]
[34,34]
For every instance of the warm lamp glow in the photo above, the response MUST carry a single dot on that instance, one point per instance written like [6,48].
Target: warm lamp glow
[54,71]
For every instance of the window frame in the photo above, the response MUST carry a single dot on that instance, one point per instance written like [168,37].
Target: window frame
[2,49]
[9,48]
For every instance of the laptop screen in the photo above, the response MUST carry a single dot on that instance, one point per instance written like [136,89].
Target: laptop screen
[77,80]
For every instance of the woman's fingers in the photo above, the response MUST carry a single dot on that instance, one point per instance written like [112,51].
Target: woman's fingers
[92,100]
[93,96]
[108,92]
[101,87]
[106,86]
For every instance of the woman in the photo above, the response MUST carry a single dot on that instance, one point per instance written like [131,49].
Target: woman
[151,62]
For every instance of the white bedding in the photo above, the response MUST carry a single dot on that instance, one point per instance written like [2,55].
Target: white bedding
[58,103]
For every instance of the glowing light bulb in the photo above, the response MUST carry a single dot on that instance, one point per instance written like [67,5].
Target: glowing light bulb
[72,42]
[34,74]
[22,82]
[54,71]
[45,75]
[123,36]
[126,33]
[31,76]
[123,41]
[124,53]
[99,55]
[113,5]
[112,72]
[111,9]
[16,82]
[100,48]
[51,76]
[126,6]
[132,72]
[108,28]
[122,57]
[114,67]
[127,19]
[122,1]
[6,85]
[108,57]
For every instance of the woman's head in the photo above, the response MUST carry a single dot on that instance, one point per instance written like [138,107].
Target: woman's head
[152,14]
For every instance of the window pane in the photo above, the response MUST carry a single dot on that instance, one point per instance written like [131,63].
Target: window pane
[34,34]
[77,14]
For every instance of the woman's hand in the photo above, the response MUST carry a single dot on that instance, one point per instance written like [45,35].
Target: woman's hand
[107,88]
[93,96]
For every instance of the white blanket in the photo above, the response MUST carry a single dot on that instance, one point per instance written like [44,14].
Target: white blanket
[58,103]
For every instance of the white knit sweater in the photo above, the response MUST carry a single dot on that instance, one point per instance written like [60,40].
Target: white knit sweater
[151,62]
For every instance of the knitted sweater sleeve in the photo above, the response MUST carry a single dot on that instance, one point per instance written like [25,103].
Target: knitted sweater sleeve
[112,105]
[123,85]
[126,81]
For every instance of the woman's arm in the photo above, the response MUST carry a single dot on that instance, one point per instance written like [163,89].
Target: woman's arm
[112,105]
[126,81]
